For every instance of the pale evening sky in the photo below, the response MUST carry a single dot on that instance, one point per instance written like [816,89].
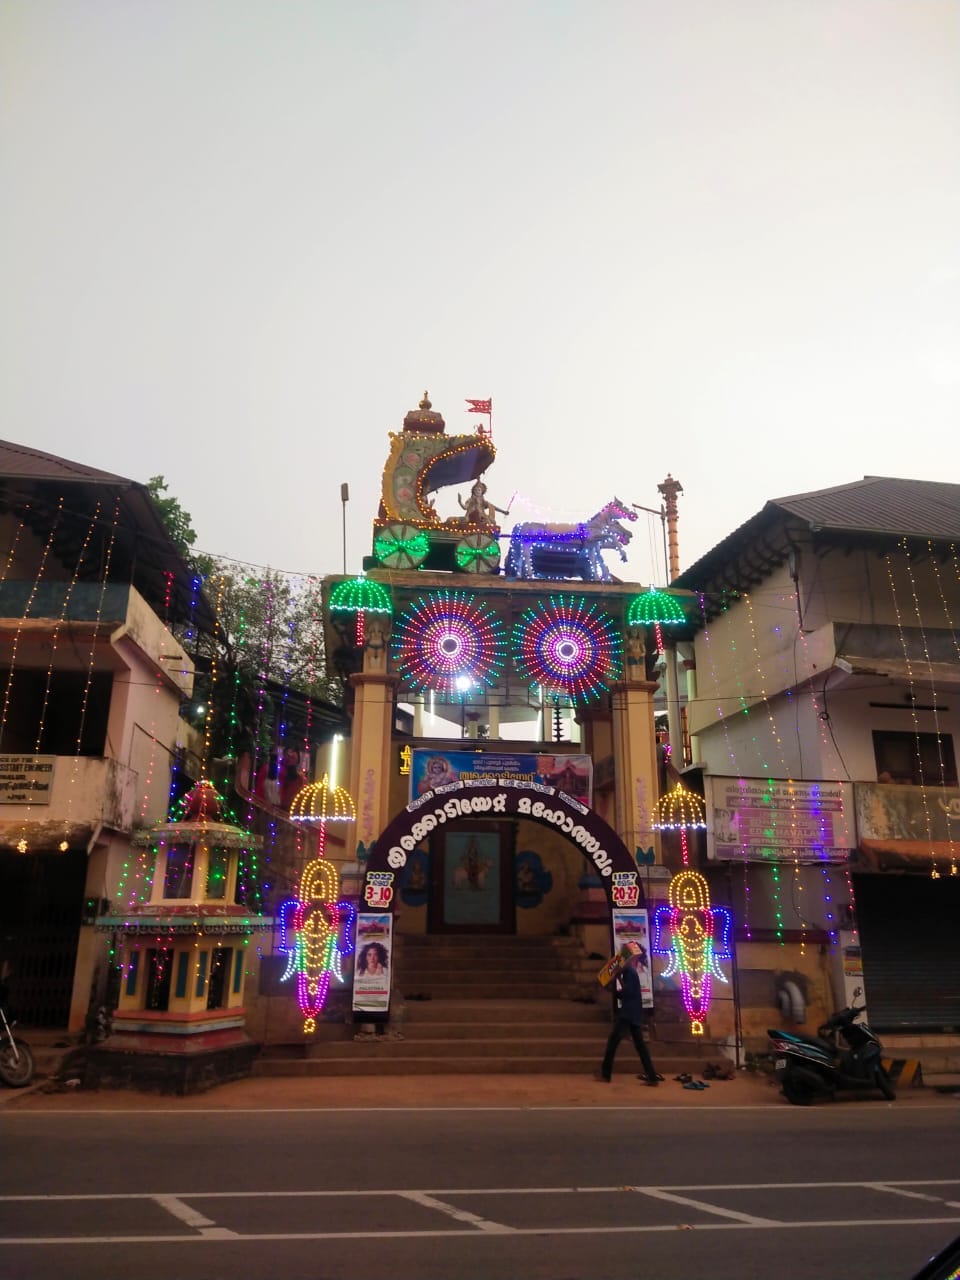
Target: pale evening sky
[712,237]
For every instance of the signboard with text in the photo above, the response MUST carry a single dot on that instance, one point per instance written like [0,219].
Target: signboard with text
[26,779]
[571,774]
[774,820]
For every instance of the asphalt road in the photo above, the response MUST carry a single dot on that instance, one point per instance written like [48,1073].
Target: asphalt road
[852,1191]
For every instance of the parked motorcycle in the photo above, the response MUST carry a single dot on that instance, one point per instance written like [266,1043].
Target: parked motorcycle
[844,1054]
[16,1060]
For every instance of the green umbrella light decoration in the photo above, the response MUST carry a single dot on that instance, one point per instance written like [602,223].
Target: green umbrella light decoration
[352,600]
[655,609]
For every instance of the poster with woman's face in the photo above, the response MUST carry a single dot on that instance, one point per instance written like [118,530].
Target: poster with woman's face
[634,926]
[372,965]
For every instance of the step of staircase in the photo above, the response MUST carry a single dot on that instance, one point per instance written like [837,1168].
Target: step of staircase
[627,1065]
[496,1005]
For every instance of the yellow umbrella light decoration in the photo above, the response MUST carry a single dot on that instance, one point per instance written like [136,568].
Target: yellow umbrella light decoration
[316,931]
[681,810]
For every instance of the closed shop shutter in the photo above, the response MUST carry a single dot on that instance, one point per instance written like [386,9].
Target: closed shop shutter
[910,942]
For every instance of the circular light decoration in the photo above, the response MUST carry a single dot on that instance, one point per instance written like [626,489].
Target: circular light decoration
[567,646]
[401,545]
[449,643]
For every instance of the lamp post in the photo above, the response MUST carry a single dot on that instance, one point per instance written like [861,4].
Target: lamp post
[344,499]
[662,513]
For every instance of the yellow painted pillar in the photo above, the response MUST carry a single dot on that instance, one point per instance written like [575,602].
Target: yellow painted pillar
[635,763]
[370,742]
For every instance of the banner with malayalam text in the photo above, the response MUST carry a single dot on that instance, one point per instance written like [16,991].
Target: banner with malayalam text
[774,820]
[571,774]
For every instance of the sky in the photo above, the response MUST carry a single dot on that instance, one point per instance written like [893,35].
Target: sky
[239,239]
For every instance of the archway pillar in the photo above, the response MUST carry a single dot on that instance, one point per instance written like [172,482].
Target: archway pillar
[635,764]
[370,742]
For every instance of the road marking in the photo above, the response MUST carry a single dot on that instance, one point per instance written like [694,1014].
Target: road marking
[476,1191]
[206,1226]
[656,1194]
[901,1191]
[461,1215]
[453,1233]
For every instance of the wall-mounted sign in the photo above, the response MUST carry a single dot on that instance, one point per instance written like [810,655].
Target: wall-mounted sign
[773,820]
[573,775]
[26,779]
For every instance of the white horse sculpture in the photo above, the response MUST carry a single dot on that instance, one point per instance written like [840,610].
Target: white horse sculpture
[569,550]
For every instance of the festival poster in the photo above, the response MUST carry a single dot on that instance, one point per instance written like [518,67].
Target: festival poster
[374,959]
[571,774]
[634,926]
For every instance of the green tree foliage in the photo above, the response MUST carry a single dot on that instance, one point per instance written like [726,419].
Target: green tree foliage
[177,522]
[259,675]
[268,663]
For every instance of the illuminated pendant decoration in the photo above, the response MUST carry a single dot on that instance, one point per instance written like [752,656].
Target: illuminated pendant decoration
[680,810]
[316,930]
[696,937]
[567,647]
[655,609]
[352,601]
[449,643]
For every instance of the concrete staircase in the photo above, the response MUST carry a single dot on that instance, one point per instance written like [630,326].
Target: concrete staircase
[469,1005]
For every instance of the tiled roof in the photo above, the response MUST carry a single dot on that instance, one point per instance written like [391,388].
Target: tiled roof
[141,550]
[875,510]
[34,464]
[878,504]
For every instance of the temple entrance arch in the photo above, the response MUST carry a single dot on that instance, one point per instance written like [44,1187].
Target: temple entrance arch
[505,798]
[471,799]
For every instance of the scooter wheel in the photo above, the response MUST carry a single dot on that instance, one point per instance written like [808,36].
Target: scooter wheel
[884,1083]
[799,1092]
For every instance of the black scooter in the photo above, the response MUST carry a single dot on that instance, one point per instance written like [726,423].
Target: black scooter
[844,1054]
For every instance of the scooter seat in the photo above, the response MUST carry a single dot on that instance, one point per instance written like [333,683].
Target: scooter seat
[798,1037]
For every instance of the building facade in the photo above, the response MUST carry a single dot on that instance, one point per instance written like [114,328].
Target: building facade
[90,729]
[827,717]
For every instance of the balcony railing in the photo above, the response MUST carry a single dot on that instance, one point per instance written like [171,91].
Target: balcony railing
[64,601]
[78,790]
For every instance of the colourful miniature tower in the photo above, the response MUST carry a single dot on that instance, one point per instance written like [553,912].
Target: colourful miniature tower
[180,1017]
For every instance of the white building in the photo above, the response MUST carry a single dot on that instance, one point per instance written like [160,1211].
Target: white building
[827,715]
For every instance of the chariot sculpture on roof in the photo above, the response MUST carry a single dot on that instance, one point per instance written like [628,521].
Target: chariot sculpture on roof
[409,534]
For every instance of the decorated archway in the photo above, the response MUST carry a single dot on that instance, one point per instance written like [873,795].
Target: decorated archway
[585,829]
[482,798]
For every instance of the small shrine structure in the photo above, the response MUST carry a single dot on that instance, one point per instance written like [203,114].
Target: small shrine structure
[179,1024]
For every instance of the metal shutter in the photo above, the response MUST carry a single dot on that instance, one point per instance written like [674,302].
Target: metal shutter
[910,941]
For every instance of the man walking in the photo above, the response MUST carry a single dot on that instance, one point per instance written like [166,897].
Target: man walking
[629,1020]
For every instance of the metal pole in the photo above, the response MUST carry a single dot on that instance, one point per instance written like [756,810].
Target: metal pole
[344,498]
[662,513]
[666,558]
